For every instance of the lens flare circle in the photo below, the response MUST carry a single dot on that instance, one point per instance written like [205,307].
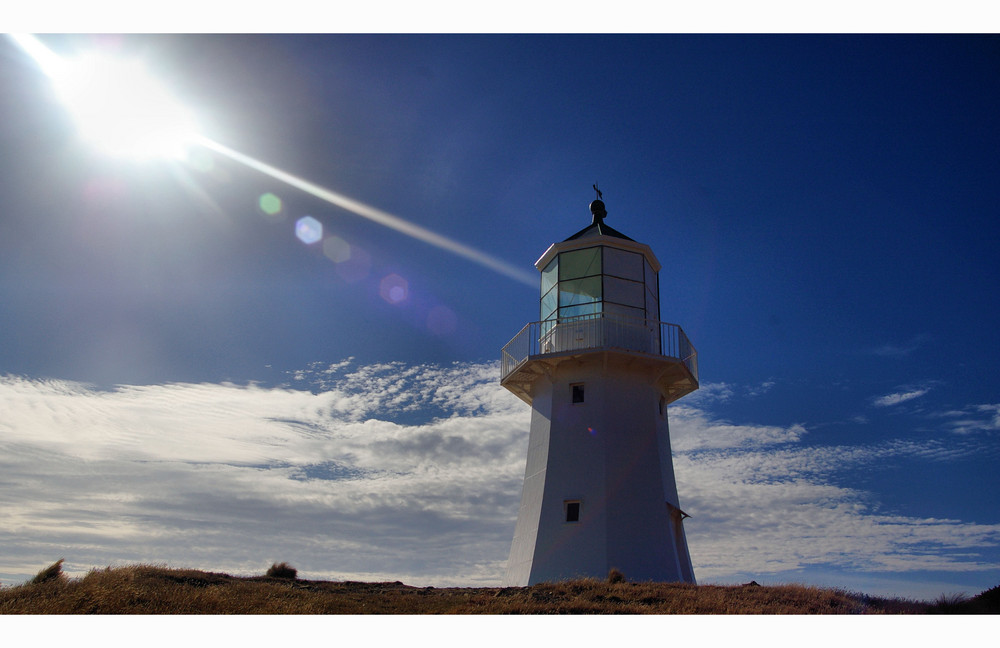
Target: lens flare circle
[394,289]
[309,230]
[442,321]
[336,249]
[270,204]
[357,266]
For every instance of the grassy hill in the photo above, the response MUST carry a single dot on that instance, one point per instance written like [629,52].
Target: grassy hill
[143,589]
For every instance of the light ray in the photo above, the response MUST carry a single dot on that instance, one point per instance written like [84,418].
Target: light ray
[50,62]
[377,215]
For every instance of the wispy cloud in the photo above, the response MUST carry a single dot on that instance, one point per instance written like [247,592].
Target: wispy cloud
[972,419]
[721,392]
[693,429]
[899,397]
[901,350]
[708,393]
[411,473]
[762,388]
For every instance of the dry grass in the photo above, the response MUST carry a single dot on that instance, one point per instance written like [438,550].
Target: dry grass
[143,589]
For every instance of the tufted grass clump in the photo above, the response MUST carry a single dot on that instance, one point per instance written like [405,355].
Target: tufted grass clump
[282,570]
[51,573]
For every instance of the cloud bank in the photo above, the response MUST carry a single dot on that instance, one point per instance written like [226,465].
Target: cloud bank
[411,473]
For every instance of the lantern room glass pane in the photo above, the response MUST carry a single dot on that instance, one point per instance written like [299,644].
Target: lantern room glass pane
[652,306]
[621,291]
[549,275]
[579,263]
[582,309]
[549,303]
[652,281]
[624,264]
[628,311]
[579,291]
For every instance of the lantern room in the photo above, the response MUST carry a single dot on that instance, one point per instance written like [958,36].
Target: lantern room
[599,270]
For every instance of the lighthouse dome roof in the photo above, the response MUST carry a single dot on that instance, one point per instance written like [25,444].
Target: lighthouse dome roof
[598,226]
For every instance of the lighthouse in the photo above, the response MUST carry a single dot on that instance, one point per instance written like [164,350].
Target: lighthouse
[598,369]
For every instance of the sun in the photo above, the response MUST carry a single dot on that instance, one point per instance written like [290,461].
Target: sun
[118,106]
[123,110]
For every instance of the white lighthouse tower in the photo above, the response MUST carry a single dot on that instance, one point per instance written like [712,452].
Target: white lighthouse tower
[598,370]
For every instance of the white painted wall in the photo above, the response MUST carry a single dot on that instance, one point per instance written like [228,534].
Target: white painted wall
[612,453]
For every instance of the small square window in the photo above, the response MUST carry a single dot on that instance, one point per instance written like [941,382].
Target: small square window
[572,510]
[577,392]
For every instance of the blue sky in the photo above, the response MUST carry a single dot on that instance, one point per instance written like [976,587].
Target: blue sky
[185,381]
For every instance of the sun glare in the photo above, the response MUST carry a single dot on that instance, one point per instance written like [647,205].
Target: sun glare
[123,110]
[118,106]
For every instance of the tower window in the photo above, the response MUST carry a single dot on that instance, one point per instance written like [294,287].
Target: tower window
[577,392]
[572,508]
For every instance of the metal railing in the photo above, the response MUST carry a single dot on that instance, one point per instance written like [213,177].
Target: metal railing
[598,331]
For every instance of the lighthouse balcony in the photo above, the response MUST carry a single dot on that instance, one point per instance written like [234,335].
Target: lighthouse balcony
[544,344]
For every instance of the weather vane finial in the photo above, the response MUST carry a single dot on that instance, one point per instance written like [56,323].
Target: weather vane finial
[600,196]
